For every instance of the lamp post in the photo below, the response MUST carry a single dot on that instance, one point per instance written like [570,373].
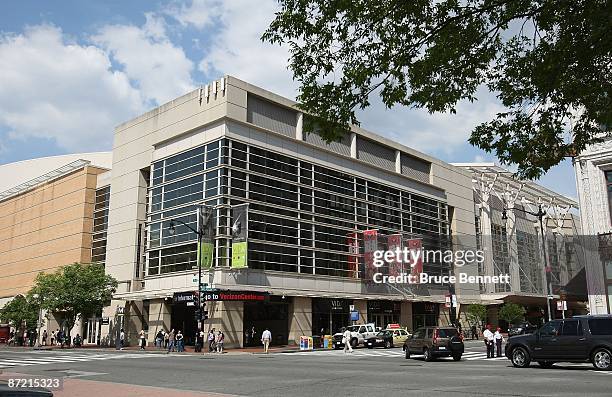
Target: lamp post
[39,323]
[200,232]
[540,215]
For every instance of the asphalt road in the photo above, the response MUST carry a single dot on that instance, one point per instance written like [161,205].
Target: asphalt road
[327,373]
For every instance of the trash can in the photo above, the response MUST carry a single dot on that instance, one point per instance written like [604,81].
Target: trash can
[328,342]
[316,341]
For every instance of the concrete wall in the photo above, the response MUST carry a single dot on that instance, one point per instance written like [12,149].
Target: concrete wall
[45,228]
[300,318]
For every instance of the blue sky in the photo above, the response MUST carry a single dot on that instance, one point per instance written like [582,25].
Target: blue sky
[71,70]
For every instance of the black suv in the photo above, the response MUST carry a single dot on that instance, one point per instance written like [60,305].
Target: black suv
[521,329]
[578,339]
[434,342]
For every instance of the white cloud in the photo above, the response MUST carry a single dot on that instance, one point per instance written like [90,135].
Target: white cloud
[160,69]
[234,46]
[55,89]
[199,13]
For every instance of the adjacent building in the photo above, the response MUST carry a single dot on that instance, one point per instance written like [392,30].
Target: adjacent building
[594,184]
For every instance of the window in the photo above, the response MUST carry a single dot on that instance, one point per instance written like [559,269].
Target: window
[600,326]
[571,328]
[551,329]
[419,333]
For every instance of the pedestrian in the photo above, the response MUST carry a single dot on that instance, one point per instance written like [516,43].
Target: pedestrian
[489,339]
[474,332]
[166,339]
[219,340]
[121,339]
[179,341]
[52,337]
[170,341]
[25,338]
[253,333]
[199,341]
[60,338]
[499,339]
[44,338]
[159,339]
[346,339]
[143,339]
[266,337]
[211,340]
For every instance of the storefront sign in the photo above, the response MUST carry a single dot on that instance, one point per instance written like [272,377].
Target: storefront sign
[240,236]
[206,248]
[184,297]
[105,321]
[354,316]
[243,296]
[370,244]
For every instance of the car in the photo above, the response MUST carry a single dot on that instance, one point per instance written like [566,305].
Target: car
[578,339]
[433,342]
[521,328]
[382,339]
[399,335]
[359,333]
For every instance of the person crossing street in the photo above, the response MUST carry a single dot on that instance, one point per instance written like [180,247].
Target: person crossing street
[489,339]
[266,337]
[346,339]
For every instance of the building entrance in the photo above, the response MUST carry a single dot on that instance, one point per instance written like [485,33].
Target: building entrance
[272,314]
[330,315]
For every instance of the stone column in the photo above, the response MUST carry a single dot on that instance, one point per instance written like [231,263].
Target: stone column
[160,314]
[406,315]
[300,318]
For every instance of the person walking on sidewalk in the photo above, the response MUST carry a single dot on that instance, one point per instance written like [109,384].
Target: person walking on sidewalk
[166,339]
[143,339]
[266,337]
[211,340]
[219,340]
[159,339]
[499,339]
[346,339]
[44,338]
[170,341]
[179,342]
[52,337]
[474,332]
[121,339]
[489,339]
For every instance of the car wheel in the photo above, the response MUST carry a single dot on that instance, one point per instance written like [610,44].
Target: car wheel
[427,355]
[457,357]
[545,364]
[602,359]
[370,346]
[520,357]
[354,343]
[388,345]
[407,353]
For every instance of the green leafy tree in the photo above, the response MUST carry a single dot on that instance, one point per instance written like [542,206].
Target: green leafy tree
[547,61]
[477,313]
[511,312]
[21,311]
[75,290]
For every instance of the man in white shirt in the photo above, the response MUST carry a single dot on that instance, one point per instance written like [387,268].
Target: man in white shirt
[346,339]
[489,339]
[266,337]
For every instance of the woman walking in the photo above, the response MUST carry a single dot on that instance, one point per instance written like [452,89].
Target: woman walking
[219,340]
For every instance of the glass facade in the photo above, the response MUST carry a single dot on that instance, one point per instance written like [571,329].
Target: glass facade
[300,214]
[100,225]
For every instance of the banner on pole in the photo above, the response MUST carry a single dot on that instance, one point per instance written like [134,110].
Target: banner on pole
[240,223]
[414,246]
[352,241]
[207,246]
[370,244]
[394,242]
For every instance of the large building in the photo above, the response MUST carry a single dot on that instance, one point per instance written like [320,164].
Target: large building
[594,184]
[231,143]
[46,216]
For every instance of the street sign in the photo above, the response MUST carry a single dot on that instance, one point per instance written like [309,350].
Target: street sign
[561,305]
[351,308]
[120,309]
[105,321]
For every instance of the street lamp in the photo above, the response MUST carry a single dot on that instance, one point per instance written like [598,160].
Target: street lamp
[200,232]
[39,324]
[540,215]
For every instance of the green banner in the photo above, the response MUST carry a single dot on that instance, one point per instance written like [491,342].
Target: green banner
[206,254]
[240,237]
[239,255]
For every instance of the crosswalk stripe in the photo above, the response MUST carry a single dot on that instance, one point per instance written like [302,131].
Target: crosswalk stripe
[8,361]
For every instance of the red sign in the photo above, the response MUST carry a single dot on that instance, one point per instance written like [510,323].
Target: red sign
[370,244]
[352,241]
[251,296]
[393,326]
[414,246]
[394,241]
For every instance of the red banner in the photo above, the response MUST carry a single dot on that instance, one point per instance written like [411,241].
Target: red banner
[415,246]
[394,241]
[352,241]
[370,244]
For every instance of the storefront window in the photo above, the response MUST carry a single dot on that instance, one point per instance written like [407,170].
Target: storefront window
[383,313]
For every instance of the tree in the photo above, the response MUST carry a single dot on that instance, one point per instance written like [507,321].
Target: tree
[477,313]
[73,291]
[21,311]
[547,61]
[511,312]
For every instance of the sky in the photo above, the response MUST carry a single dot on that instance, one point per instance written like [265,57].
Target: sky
[71,70]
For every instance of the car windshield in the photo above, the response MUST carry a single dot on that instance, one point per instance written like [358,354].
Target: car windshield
[383,333]
[353,328]
[447,332]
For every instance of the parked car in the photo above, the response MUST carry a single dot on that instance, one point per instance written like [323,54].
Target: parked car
[359,333]
[382,339]
[578,339]
[433,342]
[521,328]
